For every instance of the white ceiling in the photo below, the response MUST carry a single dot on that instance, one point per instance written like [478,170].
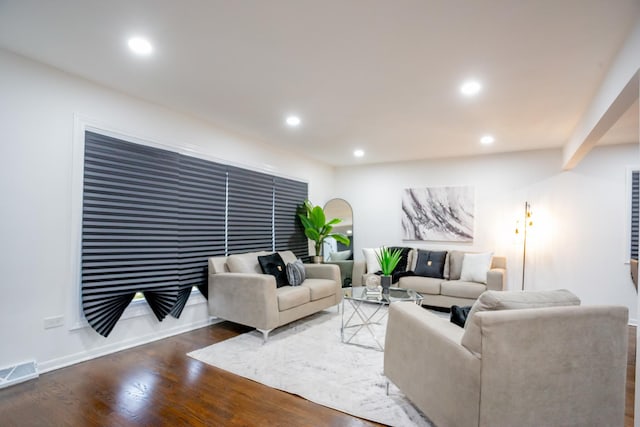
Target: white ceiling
[381,75]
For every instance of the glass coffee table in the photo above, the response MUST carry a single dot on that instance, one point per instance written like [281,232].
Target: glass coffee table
[370,309]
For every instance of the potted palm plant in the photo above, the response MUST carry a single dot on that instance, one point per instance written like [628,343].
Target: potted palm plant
[317,228]
[388,260]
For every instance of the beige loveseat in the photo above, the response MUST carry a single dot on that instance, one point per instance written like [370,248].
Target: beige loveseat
[510,366]
[241,293]
[447,291]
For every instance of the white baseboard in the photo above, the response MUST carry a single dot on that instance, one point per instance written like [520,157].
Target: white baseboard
[72,359]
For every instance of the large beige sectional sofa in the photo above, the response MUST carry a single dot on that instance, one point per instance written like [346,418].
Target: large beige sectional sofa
[449,290]
[523,359]
[241,293]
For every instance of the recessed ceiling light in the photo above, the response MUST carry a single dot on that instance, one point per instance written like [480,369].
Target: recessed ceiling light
[487,139]
[293,121]
[358,153]
[470,88]
[140,45]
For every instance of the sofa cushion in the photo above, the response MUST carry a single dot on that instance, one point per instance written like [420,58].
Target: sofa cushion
[462,289]
[422,285]
[475,267]
[274,265]
[459,314]
[296,273]
[339,256]
[509,300]
[288,256]
[218,264]
[292,296]
[245,263]
[411,259]
[404,258]
[320,288]
[445,272]
[371,259]
[455,264]
[430,263]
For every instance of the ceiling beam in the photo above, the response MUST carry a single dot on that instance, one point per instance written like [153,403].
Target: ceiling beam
[619,90]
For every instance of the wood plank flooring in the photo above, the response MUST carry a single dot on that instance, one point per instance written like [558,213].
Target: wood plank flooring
[631,378]
[158,385]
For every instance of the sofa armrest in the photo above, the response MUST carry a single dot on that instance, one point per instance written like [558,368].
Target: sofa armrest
[359,270]
[245,298]
[424,358]
[496,279]
[323,271]
[346,269]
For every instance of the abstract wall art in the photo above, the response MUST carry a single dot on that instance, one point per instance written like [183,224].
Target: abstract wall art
[438,214]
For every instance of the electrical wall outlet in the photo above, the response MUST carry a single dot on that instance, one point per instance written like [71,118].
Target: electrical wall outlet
[53,322]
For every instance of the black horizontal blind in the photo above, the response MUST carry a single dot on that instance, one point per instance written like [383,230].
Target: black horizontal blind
[202,201]
[250,211]
[152,218]
[129,229]
[635,212]
[289,233]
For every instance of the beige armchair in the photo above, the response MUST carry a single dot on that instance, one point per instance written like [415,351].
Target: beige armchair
[551,366]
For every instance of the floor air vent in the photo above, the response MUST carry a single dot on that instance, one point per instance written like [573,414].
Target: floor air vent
[19,373]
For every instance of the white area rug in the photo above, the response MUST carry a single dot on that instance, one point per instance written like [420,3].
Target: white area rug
[307,358]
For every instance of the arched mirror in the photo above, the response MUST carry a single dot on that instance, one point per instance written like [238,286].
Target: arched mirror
[339,208]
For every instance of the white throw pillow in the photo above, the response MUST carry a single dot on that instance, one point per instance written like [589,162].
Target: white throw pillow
[371,259]
[340,256]
[475,267]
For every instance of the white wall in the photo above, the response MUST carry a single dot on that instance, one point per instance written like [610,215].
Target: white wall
[38,278]
[580,217]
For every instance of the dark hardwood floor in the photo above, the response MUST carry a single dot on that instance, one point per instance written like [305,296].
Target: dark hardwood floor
[158,385]
[631,378]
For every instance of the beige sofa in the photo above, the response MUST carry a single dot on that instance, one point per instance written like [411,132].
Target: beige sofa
[241,293]
[450,290]
[546,366]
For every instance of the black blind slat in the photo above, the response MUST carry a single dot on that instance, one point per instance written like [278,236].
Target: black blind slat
[289,233]
[202,223]
[151,219]
[250,211]
[128,182]
[635,212]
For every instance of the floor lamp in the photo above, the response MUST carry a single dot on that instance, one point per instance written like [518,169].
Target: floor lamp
[528,222]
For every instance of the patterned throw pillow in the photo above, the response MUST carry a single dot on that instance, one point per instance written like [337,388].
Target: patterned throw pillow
[295,273]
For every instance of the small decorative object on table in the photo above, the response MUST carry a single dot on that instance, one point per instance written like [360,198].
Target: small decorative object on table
[373,287]
[388,260]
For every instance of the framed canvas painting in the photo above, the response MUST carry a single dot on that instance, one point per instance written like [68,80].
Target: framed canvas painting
[438,214]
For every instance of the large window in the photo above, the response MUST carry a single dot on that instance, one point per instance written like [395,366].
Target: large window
[152,218]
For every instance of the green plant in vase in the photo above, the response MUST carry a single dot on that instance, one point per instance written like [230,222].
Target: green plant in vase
[317,228]
[388,260]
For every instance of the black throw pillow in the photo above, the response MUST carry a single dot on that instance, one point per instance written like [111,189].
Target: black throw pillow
[275,266]
[459,315]
[404,257]
[430,263]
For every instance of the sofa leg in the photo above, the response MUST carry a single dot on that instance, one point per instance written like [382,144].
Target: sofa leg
[387,388]
[265,334]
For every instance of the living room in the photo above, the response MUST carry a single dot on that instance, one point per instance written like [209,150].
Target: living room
[579,240]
